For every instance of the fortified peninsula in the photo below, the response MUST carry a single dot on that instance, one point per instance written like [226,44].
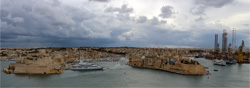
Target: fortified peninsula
[55,60]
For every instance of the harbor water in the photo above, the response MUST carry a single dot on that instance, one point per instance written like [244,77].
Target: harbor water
[117,74]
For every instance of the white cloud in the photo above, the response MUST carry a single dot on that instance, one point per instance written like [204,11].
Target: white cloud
[156,21]
[167,11]
[142,19]
[124,9]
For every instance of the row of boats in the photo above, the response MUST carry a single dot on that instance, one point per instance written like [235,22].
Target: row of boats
[224,62]
[82,66]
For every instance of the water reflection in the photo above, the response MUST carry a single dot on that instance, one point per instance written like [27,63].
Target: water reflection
[120,75]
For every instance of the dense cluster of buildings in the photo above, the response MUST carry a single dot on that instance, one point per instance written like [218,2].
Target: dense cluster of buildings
[53,60]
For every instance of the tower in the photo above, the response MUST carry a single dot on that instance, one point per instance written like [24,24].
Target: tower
[216,42]
[224,41]
[216,46]
[233,40]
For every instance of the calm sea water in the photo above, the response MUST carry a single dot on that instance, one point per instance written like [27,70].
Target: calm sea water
[119,75]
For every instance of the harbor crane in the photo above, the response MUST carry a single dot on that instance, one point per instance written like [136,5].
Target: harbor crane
[240,54]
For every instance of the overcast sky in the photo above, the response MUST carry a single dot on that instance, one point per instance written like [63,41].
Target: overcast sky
[115,23]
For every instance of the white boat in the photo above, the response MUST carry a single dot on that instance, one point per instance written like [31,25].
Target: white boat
[219,62]
[82,66]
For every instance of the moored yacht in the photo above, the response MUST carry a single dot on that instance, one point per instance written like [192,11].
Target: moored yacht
[219,62]
[82,66]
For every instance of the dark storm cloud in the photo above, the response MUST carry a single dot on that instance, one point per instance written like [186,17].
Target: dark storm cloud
[31,19]
[100,0]
[155,36]
[201,5]
[37,41]
[124,9]
[36,23]
[166,11]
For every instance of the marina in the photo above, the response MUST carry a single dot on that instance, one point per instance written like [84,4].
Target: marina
[125,44]
[119,75]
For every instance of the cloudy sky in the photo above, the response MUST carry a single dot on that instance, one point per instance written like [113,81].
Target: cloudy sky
[114,23]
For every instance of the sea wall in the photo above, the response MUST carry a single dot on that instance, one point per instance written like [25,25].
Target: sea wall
[176,66]
[23,69]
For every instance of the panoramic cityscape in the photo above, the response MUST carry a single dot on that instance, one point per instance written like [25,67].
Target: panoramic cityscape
[125,43]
